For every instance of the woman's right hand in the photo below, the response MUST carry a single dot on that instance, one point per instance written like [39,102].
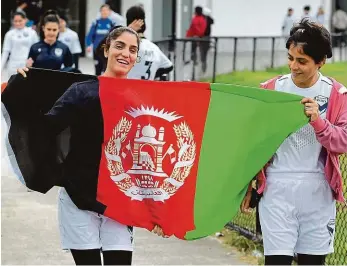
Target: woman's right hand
[23,71]
[244,207]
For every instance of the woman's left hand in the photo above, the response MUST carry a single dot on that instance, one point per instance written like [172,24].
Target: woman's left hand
[159,231]
[311,108]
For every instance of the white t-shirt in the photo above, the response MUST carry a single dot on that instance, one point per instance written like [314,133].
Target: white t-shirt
[301,152]
[70,39]
[16,47]
[151,59]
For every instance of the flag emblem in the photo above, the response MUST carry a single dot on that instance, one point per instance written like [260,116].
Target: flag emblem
[147,164]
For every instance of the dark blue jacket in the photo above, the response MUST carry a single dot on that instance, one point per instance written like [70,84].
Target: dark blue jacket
[50,56]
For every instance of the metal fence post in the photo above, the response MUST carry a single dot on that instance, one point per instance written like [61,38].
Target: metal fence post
[273,52]
[254,53]
[234,54]
[215,59]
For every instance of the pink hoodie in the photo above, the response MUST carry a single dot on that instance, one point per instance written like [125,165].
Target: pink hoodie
[330,132]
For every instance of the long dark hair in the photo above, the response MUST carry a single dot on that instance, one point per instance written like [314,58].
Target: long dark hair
[48,16]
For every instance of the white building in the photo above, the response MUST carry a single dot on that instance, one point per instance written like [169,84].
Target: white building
[232,17]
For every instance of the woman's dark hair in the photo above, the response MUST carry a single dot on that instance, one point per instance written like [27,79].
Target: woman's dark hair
[18,13]
[117,31]
[134,13]
[314,39]
[48,16]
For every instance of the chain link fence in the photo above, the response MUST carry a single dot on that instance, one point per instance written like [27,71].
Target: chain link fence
[248,225]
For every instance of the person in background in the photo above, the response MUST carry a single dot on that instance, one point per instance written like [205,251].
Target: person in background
[70,39]
[32,10]
[17,44]
[306,14]
[205,45]
[152,63]
[340,26]
[97,32]
[197,29]
[49,53]
[320,17]
[117,19]
[288,23]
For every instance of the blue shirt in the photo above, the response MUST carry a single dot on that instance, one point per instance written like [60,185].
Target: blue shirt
[50,56]
[98,31]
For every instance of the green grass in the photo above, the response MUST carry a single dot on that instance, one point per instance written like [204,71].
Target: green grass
[337,71]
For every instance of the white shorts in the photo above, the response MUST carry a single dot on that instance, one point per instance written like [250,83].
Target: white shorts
[80,229]
[297,216]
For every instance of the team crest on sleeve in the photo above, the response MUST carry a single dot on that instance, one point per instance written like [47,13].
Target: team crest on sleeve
[156,160]
[322,102]
[58,52]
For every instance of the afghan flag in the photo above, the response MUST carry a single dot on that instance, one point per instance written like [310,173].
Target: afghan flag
[181,154]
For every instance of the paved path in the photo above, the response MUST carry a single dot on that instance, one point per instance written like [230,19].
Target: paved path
[30,235]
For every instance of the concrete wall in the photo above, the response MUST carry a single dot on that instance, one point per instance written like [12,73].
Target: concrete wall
[257,17]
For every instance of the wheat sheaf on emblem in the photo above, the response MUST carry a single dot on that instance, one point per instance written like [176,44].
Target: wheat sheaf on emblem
[187,151]
[113,147]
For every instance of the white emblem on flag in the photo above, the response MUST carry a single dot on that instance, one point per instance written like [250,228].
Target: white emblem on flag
[147,179]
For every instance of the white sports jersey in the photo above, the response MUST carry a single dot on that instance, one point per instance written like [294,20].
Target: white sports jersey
[16,48]
[70,39]
[300,153]
[151,59]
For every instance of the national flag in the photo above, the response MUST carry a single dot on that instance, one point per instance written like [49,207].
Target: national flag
[220,135]
[223,135]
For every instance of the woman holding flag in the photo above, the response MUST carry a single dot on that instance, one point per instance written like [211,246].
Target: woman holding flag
[87,233]
[303,180]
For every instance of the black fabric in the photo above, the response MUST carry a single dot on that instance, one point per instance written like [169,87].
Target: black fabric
[163,71]
[278,260]
[86,257]
[59,145]
[99,63]
[209,22]
[117,257]
[305,259]
[93,257]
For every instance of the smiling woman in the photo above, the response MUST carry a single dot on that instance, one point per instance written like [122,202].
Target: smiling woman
[303,180]
[121,48]
[86,233]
